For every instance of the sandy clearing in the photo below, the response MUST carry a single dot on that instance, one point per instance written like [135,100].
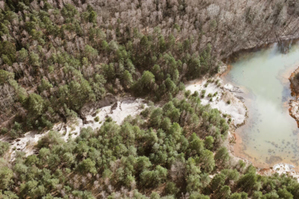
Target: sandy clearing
[224,99]
[71,129]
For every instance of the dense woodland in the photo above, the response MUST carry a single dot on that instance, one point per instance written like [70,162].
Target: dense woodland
[155,155]
[58,55]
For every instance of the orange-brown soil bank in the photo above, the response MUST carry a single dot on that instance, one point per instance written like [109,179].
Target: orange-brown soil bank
[294,103]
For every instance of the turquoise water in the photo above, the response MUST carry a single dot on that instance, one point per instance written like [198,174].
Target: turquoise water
[270,134]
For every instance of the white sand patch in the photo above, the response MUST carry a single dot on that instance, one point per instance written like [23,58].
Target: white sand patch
[222,98]
[229,87]
[72,129]
[102,114]
[25,144]
[126,108]
[281,168]
[123,109]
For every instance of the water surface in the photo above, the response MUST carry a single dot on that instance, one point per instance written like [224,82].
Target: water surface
[270,134]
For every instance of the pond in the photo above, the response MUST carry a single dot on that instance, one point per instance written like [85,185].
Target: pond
[270,134]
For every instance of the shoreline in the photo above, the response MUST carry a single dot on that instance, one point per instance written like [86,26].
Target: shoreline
[234,143]
[235,140]
[226,89]
[294,103]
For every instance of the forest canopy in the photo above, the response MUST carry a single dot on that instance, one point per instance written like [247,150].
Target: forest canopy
[57,57]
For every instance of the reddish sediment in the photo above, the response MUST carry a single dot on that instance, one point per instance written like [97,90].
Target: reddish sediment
[295,94]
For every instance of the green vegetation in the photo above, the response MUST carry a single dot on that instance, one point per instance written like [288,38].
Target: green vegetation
[156,154]
[96,119]
[203,92]
[70,73]
[4,146]
[58,56]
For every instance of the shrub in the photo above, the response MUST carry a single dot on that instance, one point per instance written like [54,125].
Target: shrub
[4,146]
[195,94]
[187,93]
[203,92]
[3,130]
[171,188]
